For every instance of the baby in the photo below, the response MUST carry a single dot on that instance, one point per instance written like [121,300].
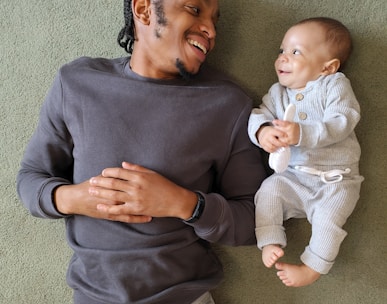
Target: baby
[321,181]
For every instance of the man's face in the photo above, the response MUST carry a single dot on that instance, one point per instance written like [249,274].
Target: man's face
[179,37]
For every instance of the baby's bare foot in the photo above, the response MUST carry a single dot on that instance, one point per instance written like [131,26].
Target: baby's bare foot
[271,254]
[296,275]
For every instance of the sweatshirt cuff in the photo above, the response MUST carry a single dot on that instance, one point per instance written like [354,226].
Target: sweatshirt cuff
[207,225]
[46,200]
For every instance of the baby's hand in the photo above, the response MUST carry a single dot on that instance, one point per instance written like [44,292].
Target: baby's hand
[269,138]
[290,129]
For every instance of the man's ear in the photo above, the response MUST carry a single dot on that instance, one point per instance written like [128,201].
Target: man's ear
[141,11]
[331,67]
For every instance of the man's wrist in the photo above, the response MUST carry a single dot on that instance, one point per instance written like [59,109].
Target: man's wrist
[198,211]
[57,200]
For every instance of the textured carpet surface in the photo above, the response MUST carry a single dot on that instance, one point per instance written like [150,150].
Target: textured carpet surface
[37,37]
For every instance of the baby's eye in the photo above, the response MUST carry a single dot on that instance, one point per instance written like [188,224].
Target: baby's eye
[281,51]
[296,52]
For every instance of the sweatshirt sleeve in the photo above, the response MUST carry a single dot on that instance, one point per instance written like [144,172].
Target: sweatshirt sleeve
[47,161]
[228,216]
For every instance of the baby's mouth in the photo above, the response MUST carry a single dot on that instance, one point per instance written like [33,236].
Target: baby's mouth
[282,72]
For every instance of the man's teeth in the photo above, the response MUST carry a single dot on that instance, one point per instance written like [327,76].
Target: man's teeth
[198,45]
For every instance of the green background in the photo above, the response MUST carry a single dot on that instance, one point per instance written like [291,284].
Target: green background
[37,37]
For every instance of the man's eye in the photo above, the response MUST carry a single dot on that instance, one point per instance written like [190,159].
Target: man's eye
[194,9]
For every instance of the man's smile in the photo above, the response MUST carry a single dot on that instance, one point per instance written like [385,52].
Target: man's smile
[198,45]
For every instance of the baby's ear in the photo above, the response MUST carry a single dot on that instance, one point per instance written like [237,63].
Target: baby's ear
[331,66]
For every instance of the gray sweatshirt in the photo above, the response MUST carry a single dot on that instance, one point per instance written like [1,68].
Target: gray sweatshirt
[99,113]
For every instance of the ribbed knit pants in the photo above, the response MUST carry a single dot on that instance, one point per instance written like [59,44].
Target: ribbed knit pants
[295,194]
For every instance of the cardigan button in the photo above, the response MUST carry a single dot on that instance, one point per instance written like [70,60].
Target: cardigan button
[299,97]
[302,115]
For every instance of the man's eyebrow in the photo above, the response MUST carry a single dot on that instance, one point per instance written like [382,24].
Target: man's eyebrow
[208,2]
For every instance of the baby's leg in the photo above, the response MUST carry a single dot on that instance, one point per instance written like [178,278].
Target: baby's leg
[271,254]
[296,275]
[327,218]
[269,216]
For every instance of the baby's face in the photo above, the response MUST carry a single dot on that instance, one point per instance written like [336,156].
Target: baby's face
[303,55]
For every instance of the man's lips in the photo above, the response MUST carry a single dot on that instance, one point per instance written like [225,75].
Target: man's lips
[198,45]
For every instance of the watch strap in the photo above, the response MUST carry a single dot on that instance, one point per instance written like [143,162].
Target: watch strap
[198,209]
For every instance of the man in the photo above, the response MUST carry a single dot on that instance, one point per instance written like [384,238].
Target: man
[148,160]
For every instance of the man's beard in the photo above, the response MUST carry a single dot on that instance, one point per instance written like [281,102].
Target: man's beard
[182,70]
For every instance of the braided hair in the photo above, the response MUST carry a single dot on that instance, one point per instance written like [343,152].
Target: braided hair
[126,36]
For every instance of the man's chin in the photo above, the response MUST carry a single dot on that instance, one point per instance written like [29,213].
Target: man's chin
[184,73]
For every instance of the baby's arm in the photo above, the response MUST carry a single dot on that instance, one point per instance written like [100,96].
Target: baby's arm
[261,130]
[339,119]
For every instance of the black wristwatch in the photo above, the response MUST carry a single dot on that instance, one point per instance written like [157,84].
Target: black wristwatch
[198,209]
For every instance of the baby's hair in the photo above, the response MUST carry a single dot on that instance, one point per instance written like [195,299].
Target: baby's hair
[337,35]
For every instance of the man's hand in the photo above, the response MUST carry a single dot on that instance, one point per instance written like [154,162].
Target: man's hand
[140,192]
[76,199]
[131,194]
